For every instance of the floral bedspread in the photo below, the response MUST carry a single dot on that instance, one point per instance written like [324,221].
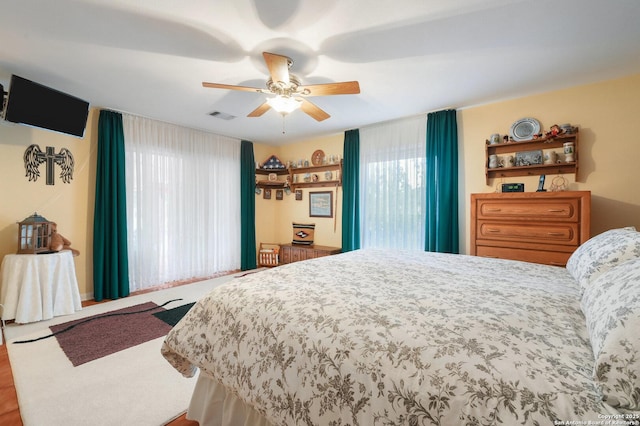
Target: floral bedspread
[377,337]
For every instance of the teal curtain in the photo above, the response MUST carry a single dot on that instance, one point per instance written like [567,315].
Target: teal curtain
[110,261]
[247,207]
[442,182]
[351,191]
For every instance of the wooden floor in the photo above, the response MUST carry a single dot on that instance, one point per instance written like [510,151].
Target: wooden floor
[9,410]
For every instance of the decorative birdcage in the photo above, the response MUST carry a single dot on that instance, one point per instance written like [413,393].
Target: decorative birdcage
[34,235]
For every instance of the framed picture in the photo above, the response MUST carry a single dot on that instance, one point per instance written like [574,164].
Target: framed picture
[321,204]
[266,194]
[528,158]
[298,194]
[279,194]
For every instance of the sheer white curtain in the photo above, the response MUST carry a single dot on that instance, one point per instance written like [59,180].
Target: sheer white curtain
[183,202]
[392,184]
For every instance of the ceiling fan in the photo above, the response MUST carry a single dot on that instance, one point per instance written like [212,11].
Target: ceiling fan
[288,93]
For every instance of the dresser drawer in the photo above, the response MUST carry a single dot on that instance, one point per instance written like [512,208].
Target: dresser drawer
[322,253]
[555,258]
[540,227]
[557,210]
[298,254]
[290,253]
[549,233]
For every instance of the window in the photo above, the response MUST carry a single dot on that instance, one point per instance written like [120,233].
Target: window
[392,179]
[183,202]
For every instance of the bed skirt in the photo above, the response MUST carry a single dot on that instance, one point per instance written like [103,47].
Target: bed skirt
[212,405]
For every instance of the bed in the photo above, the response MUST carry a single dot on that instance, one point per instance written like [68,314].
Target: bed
[379,337]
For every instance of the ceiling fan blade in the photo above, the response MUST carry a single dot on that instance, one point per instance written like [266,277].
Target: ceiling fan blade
[313,110]
[260,110]
[344,88]
[278,66]
[231,87]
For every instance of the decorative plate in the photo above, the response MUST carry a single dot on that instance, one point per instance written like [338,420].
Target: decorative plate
[524,129]
[317,158]
[273,177]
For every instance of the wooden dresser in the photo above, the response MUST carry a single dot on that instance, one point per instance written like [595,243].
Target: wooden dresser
[539,227]
[290,253]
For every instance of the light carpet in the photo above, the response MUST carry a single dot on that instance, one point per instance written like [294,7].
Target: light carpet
[136,386]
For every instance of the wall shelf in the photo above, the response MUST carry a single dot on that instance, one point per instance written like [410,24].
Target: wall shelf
[319,184]
[294,175]
[278,172]
[335,181]
[543,144]
[271,184]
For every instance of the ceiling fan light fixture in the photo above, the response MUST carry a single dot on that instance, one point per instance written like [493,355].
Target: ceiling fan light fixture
[284,104]
[287,91]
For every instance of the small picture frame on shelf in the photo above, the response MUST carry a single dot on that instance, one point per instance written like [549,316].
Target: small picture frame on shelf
[266,194]
[279,194]
[321,204]
[528,158]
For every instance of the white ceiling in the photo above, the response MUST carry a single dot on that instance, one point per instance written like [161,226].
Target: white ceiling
[149,57]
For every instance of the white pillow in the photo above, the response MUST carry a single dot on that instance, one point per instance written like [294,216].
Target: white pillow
[603,252]
[611,305]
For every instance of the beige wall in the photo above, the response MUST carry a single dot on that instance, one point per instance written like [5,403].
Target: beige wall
[274,217]
[609,147]
[69,205]
[609,150]
[607,114]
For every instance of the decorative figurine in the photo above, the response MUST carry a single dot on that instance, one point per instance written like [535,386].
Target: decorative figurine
[59,242]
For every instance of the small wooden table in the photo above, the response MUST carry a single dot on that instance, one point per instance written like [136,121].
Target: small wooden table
[35,287]
[290,253]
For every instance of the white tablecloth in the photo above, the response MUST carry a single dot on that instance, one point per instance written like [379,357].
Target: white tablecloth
[37,287]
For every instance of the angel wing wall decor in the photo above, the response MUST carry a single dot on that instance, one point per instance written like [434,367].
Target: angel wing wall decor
[34,157]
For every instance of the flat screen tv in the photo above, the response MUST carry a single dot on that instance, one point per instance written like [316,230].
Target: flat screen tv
[41,106]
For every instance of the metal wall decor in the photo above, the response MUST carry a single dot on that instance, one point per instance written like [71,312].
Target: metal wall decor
[34,156]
